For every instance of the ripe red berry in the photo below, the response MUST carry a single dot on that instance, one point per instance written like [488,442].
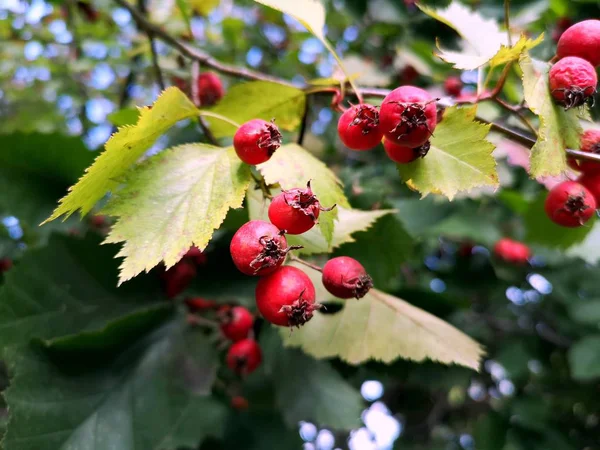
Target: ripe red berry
[256,141]
[196,255]
[581,40]
[408,75]
[573,81]
[259,248]
[98,221]
[296,210]
[240,403]
[570,204]
[453,86]
[590,143]
[345,277]
[178,278]
[181,83]
[236,322]
[5,264]
[591,181]
[286,297]
[244,356]
[210,88]
[562,24]
[199,304]
[408,116]
[512,251]
[359,127]
[402,154]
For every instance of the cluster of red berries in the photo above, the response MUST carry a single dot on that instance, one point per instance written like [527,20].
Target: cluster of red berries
[573,78]
[406,120]
[177,278]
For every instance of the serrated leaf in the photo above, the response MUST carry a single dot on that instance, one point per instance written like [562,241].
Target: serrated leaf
[508,54]
[584,358]
[460,157]
[292,166]
[151,396]
[383,328]
[125,116]
[310,13]
[541,230]
[123,149]
[68,288]
[559,129]
[259,100]
[173,201]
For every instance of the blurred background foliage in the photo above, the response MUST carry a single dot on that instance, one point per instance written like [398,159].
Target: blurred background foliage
[71,71]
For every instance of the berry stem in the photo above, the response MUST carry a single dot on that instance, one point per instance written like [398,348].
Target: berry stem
[210,137]
[306,263]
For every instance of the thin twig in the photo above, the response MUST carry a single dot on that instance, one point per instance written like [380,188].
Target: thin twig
[157,71]
[507,20]
[305,263]
[208,134]
[303,124]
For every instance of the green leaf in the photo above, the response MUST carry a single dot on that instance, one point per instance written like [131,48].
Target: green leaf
[261,429]
[173,201]
[123,149]
[383,328]
[460,157]
[204,7]
[125,116]
[292,166]
[68,288]
[151,396]
[584,358]
[541,230]
[586,312]
[258,100]
[559,129]
[510,54]
[308,389]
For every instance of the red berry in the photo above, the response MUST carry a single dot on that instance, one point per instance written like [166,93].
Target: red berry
[570,204]
[562,24]
[286,297]
[256,141]
[573,81]
[345,277]
[5,264]
[240,403]
[402,154]
[210,88]
[199,304]
[98,221]
[296,210]
[591,181]
[453,86]
[408,75]
[408,116]
[581,40]
[512,251]
[359,127]
[258,248]
[244,356]
[236,322]
[178,278]
[180,83]
[196,255]
[590,143]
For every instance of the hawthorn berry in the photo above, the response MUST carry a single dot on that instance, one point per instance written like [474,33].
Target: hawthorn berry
[570,204]
[240,403]
[358,127]
[590,143]
[345,277]
[296,210]
[5,264]
[236,322]
[286,297]
[244,356]
[581,40]
[404,155]
[181,83]
[453,86]
[210,88]
[259,248]
[591,181]
[256,141]
[178,278]
[199,304]
[511,251]
[408,116]
[98,221]
[408,75]
[562,25]
[573,81]
[196,255]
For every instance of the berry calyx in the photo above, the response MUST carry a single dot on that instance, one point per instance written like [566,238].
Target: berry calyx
[296,210]
[511,251]
[236,322]
[259,248]
[199,304]
[345,277]
[573,81]
[286,297]
[178,278]
[244,356]
[590,143]
[210,88]
[358,127]
[453,86]
[408,116]
[570,204]
[256,141]
[581,40]
[404,155]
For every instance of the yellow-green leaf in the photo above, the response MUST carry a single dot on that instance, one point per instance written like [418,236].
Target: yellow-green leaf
[460,157]
[259,100]
[509,54]
[559,129]
[123,149]
[203,7]
[177,198]
[383,328]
